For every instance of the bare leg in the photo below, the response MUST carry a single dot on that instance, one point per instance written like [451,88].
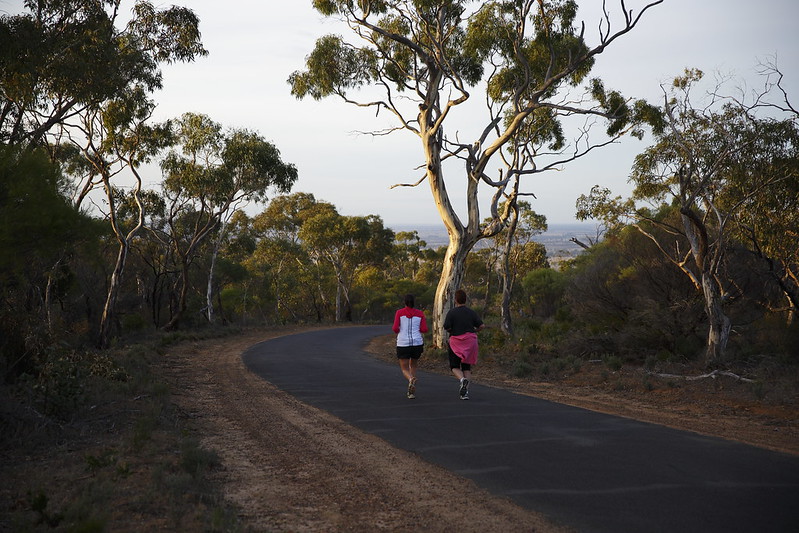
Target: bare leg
[413,364]
[408,367]
[405,366]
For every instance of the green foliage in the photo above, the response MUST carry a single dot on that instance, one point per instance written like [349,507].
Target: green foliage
[62,56]
[35,219]
[333,68]
[39,503]
[544,288]
[40,237]
[63,377]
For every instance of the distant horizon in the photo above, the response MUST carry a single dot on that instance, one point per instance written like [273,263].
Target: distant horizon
[557,239]
[432,225]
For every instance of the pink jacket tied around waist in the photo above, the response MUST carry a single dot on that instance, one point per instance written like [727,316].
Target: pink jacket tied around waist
[465,347]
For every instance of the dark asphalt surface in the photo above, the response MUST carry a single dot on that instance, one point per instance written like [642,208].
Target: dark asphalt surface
[589,471]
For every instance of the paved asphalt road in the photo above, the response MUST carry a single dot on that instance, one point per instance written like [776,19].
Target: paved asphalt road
[590,471]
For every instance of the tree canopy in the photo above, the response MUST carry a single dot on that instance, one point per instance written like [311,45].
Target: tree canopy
[424,59]
[62,57]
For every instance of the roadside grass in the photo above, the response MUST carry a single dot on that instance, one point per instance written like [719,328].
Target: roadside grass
[96,444]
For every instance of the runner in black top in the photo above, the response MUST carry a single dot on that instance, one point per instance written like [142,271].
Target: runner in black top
[461,320]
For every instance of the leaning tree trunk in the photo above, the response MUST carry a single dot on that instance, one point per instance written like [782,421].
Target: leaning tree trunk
[460,243]
[461,238]
[111,298]
[719,323]
[719,331]
[450,280]
[209,290]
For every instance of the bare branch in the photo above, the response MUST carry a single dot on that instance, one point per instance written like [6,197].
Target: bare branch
[409,184]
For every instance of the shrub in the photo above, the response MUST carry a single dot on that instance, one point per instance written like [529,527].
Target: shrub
[522,368]
[613,362]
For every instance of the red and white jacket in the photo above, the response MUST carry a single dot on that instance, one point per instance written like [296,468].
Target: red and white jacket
[409,324]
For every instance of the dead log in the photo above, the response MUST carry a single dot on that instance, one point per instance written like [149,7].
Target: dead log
[711,375]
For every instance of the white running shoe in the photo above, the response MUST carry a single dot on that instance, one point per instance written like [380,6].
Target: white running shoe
[464,389]
[412,388]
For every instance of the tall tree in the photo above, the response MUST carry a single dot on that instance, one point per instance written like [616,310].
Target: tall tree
[207,175]
[519,254]
[765,172]
[348,244]
[278,228]
[715,163]
[426,56]
[70,73]
[110,140]
[407,253]
[40,234]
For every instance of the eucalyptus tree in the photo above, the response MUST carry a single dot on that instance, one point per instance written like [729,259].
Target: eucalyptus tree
[295,279]
[718,166]
[114,139]
[423,58]
[765,172]
[63,57]
[348,244]
[208,174]
[520,254]
[407,254]
[768,221]
[72,77]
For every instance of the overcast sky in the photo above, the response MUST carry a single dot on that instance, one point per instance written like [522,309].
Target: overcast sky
[255,45]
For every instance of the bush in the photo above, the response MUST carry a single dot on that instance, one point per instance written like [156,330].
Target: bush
[613,362]
[521,369]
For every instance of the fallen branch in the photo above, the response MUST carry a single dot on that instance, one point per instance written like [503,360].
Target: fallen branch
[711,375]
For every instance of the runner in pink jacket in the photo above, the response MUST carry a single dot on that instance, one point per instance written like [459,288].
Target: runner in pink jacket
[409,325]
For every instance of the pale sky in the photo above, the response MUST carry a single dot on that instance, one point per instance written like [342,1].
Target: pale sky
[255,45]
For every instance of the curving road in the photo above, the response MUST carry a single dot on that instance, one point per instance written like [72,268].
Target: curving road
[586,470]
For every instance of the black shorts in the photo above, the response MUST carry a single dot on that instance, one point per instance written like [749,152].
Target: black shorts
[455,361]
[409,352]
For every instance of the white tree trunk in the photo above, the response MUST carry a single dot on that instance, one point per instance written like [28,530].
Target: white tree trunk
[508,277]
[209,292]
[719,331]
[339,298]
[113,291]
[450,280]
[719,323]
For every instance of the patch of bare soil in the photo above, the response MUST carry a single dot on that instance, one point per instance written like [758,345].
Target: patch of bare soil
[287,466]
